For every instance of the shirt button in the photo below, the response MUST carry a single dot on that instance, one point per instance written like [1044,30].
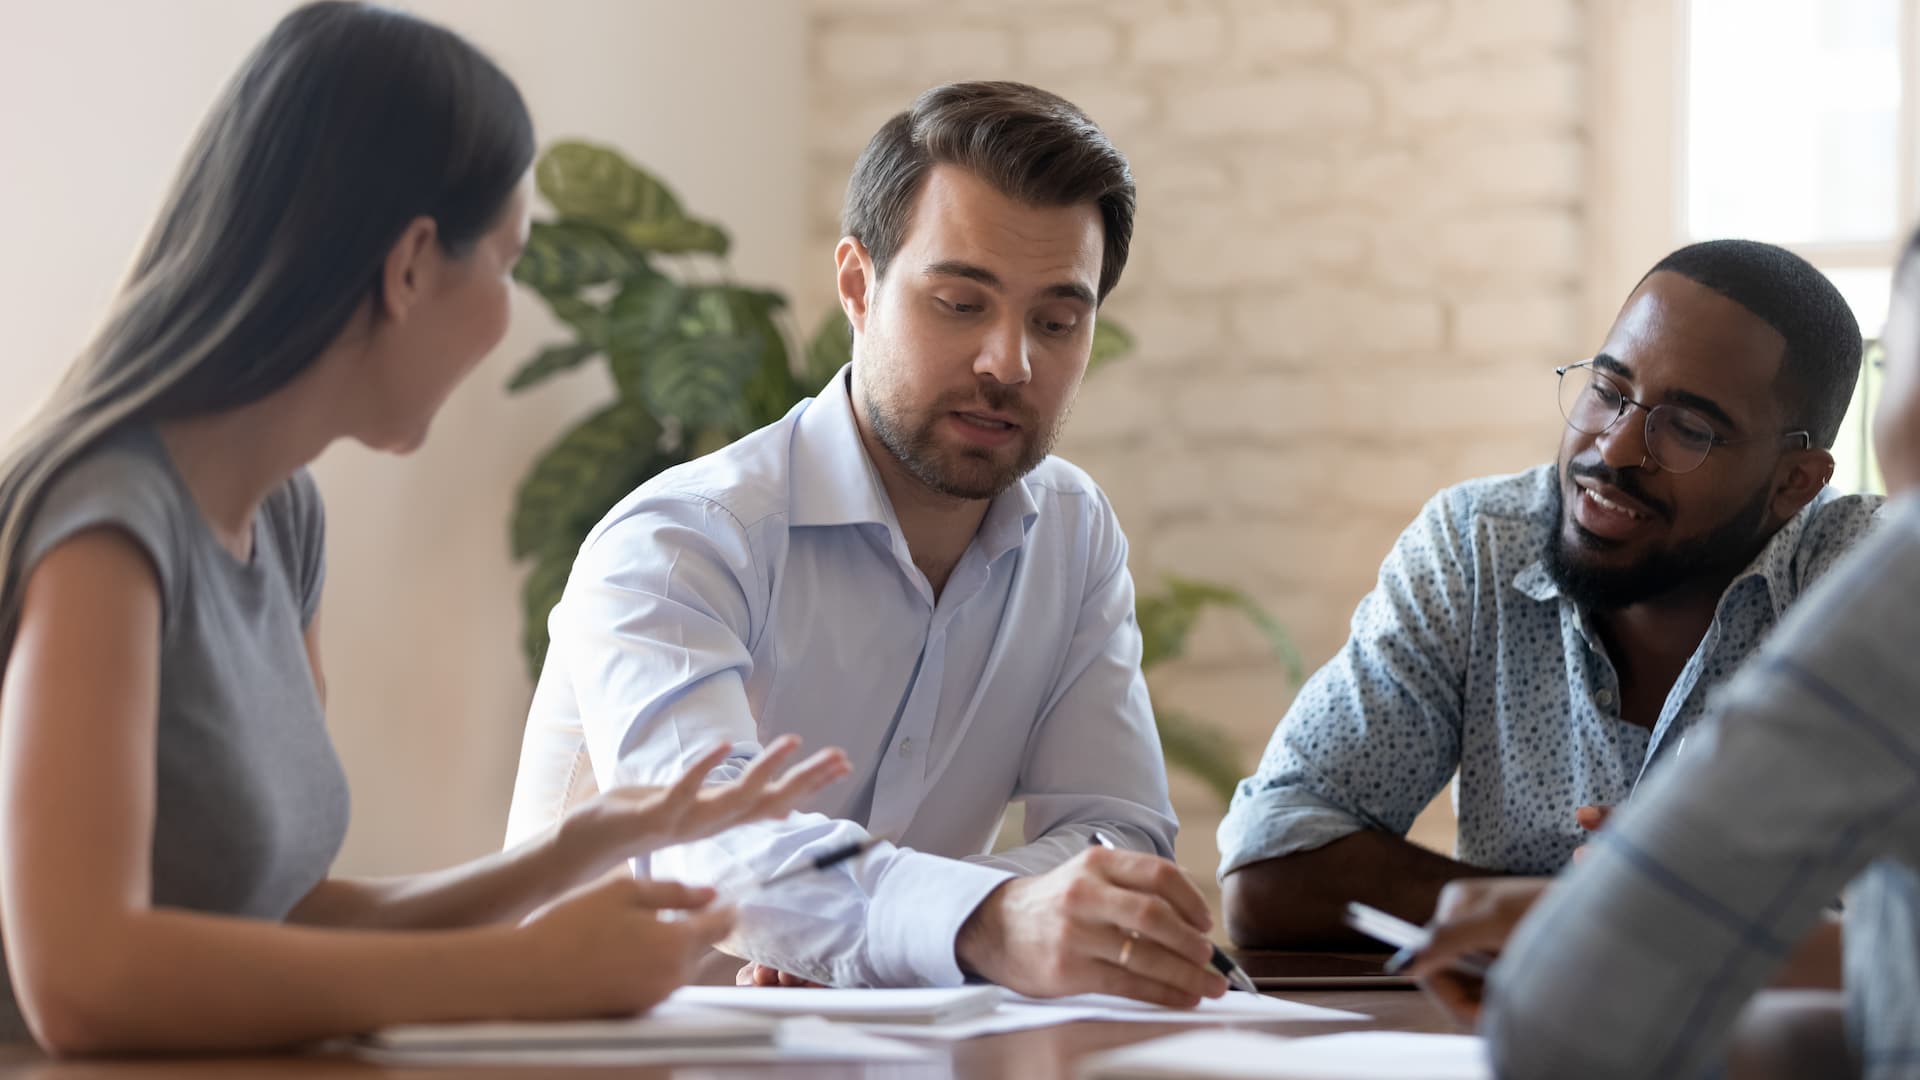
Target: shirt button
[906,747]
[1604,698]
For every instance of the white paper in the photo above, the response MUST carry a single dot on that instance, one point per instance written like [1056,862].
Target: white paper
[667,1025]
[917,1006]
[799,1040]
[1010,1016]
[1234,1007]
[1229,1054]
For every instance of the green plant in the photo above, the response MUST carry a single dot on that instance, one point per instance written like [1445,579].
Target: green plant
[696,362]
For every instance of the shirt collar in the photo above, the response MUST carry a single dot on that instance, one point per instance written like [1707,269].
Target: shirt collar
[1773,567]
[835,482]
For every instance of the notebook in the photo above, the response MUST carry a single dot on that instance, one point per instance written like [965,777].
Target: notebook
[920,1005]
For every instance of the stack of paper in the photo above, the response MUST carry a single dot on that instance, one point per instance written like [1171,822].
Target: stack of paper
[1228,1054]
[672,1034]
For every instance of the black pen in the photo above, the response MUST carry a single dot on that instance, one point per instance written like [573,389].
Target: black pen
[830,857]
[1222,963]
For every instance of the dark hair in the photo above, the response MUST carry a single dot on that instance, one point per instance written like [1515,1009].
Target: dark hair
[341,128]
[1029,144]
[1822,360]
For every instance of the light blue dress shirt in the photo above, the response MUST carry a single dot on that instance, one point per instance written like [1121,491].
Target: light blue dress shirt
[1465,656]
[767,589]
[1639,960]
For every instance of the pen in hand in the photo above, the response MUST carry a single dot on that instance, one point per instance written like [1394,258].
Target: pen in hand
[1235,976]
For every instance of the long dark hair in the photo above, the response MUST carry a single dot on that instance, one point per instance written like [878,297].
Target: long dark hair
[347,123]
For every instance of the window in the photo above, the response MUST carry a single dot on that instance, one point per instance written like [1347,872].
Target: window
[1783,120]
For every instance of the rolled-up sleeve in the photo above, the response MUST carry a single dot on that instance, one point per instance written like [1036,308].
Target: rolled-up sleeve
[1375,734]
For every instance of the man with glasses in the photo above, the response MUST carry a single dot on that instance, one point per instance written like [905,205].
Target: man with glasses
[1552,635]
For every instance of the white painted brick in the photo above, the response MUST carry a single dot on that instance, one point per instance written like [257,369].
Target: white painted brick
[1296,102]
[1479,28]
[1212,249]
[1512,245]
[1324,324]
[1283,178]
[859,54]
[1394,27]
[1178,330]
[1118,407]
[1168,175]
[1118,106]
[1516,169]
[1528,89]
[1184,36]
[1542,325]
[845,124]
[952,54]
[1053,45]
[1268,33]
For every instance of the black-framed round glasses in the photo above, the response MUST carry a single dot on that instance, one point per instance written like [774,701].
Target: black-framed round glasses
[1678,439]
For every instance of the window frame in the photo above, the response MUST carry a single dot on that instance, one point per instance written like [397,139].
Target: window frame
[1638,125]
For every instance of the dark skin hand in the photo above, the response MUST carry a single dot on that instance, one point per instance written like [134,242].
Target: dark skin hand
[1298,901]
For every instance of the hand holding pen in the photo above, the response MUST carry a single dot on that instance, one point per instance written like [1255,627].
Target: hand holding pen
[1105,921]
[1222,963]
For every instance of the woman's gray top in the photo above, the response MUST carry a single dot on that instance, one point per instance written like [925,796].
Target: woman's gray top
[250,803]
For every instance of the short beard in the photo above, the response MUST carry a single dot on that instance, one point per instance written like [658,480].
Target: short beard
[1714,558]
[972,473]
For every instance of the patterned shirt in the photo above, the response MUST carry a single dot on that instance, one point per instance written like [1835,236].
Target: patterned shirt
[1639,961]
[1465,656]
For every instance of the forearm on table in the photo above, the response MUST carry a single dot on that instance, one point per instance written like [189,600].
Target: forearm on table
[166,980]
[1297,901]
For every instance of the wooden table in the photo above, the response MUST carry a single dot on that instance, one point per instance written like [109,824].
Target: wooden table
[1042,1054]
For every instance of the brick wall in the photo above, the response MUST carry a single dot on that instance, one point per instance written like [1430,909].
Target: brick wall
[1358,252]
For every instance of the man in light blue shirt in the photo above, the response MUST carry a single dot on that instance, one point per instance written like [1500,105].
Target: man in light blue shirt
[1553,635]
[900,569]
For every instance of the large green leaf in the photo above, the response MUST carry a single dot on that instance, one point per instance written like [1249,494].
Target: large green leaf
[551,360]
[581,476]
[564,256]
[1111,341]
[643,312]
[1199,750]
[677,237]
[773,389]
[1166,619]
[1200,594]
[597,184]
[830,350]
[699,380]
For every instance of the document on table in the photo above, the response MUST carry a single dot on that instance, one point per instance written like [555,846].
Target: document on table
[1227,1054]
[1234,1007]
[913,1006]
[671,1034]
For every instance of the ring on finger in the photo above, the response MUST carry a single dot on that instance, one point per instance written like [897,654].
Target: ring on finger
[1126,947]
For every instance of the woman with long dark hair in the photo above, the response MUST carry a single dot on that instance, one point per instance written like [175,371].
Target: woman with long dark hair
[334,257]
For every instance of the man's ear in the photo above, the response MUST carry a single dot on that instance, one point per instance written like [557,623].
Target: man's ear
[856,279]
[1801,475]
[409,268]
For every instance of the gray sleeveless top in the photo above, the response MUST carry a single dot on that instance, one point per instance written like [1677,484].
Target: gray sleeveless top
[250,802]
